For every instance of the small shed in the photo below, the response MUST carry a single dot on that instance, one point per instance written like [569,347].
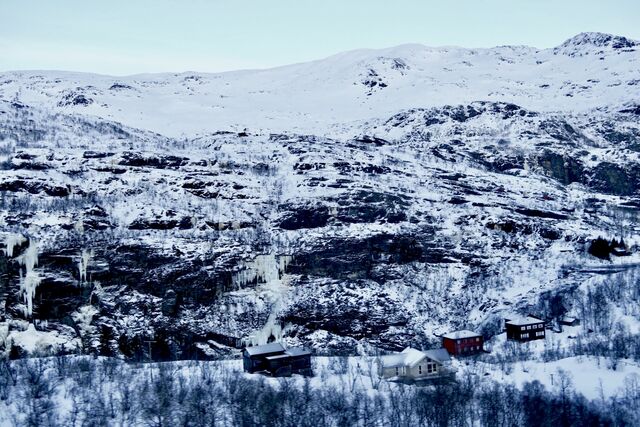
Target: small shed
[569,321]
[463,343]
[526,328]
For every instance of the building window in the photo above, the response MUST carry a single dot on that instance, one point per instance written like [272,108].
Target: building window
[397,371]
[524,336]
[478,339]
[420,369]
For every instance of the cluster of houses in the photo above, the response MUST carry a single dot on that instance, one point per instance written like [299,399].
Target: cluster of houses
[410,365]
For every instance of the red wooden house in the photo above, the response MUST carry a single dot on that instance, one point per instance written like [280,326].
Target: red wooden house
[463,343]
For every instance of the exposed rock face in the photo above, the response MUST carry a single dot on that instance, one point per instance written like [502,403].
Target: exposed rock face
[34,187]
[161,162]
[384,230]
[564,169]
[616,179]
[197,252]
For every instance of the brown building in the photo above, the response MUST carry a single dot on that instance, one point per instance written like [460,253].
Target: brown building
[463,343]
[526,328]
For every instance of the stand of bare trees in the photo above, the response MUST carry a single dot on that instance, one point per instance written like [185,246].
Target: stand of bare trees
[82,391]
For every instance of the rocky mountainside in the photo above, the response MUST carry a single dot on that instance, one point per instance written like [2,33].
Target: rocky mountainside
[374,197]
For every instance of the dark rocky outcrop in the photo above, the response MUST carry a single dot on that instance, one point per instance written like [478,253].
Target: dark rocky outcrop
[561,167]
[183,223]
[299,217]
[357,312]
[160,162]
[537,213]
[615,179]
[34,187]
[96,154]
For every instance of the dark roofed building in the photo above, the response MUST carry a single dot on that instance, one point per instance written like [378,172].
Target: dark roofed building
[275,360]
[300,360]
[569,321]
[526,328]
[255,358]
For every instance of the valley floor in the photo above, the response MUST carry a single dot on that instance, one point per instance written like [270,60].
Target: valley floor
[82,390]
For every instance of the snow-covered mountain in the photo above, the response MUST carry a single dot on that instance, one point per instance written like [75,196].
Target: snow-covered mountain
[325,97]
[376,196]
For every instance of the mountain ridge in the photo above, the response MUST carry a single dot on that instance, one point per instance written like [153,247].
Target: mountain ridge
[373,200]
[586,38]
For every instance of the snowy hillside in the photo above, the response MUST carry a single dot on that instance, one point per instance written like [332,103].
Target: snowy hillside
[374,197]
[589,71]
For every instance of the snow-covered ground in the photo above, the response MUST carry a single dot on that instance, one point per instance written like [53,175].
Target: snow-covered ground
[406,196]
[326,97]
[587,376]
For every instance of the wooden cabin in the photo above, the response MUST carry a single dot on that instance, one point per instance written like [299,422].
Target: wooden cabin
[569,321]
[300,360]
[525,328]
[274,360]
[412,364]
[463,343]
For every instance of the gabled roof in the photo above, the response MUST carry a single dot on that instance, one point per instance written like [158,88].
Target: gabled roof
[410,357]
[393,360]
[274,347]
[440,355]
[525,320]
[465,333]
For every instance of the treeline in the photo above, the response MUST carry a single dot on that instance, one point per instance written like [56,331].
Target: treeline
[81,391]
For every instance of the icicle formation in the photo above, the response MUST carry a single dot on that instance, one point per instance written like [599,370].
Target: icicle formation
[263,269]
[11,241]
[83,262]
[270,329]
[269,271]
[30,280]
[5,341]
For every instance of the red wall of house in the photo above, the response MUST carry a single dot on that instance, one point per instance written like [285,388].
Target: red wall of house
[458,346]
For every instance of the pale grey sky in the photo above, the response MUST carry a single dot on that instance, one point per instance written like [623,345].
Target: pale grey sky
[134,36]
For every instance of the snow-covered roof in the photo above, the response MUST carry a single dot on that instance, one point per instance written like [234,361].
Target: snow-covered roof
[393,360]
[410,357]
[274,347]
[525,320]
[298,351]
[278,356]
[465,333]
[439,355]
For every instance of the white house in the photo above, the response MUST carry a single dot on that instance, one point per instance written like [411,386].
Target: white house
[414,364]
